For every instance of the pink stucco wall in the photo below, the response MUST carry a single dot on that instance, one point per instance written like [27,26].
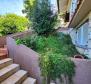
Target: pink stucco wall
[26,57]
[83,71]
[21,34]
[29,59]
[2,41]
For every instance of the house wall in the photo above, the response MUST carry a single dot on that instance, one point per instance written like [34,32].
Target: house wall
[89,36]
[84,43]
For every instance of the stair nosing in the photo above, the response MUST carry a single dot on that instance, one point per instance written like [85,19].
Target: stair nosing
[8,71]
[13,81]
[5,60]
[28,80]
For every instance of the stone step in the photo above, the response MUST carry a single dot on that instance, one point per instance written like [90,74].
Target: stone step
[52,83]
[3,50]
[3,56]
[5,62]
[29,80]
[3,53]
[8,71]
[16,78]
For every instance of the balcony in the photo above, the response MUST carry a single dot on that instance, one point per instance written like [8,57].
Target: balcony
[82,11]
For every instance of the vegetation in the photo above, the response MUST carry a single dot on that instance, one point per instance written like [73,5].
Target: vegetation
[11,23]
[54,61]
[67,47]
[29,7]
[28,41]
[53,49]
[55,43]
[43,19]
[55,66]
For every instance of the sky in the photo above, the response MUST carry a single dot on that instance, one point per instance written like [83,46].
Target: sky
[11,6]
[16,6]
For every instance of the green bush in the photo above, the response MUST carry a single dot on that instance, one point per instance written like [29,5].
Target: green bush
[11,23]
[44,44]
[29,41]
[40,44]
[55,65]
[52,43]
[67,47]
[54,52]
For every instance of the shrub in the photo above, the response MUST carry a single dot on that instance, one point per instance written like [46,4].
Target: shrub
[40,44]
[67,47]
[51,43]
[55,65]
[12,23]
[29,41]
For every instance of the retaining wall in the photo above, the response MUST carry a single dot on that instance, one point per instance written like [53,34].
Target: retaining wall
[29,60]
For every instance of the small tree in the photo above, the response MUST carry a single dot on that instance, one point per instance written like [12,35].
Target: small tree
[29,6]
[42,17]
[44,20]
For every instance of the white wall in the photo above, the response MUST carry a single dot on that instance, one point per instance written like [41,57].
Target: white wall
[83,40]
[54,6]
[89,36]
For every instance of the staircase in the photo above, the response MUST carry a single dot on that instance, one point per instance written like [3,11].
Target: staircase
[11,73]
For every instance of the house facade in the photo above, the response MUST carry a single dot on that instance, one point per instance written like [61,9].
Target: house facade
[80,21]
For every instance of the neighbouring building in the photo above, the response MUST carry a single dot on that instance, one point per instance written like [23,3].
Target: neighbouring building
[78,16]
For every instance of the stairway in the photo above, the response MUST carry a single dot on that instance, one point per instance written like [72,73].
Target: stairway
[11,73]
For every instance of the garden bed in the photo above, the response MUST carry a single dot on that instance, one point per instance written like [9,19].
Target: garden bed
[58,43]
[54,51]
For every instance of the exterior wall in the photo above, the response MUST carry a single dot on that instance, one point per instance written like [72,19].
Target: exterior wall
[83,48]
[89,36]
[83,71]
[25,57]
[73,35]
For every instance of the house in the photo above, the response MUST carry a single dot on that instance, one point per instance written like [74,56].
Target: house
[78,15]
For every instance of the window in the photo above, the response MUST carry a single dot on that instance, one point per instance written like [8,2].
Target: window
[82,35]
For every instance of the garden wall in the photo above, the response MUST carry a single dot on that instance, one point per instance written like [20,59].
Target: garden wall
[28,59]
[21,34]
[16,35]
[83,71]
